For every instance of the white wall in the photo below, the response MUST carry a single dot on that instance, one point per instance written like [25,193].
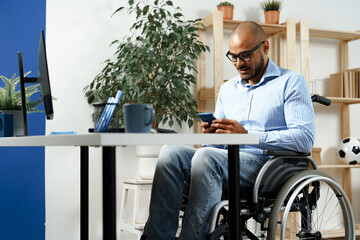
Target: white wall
[78,34]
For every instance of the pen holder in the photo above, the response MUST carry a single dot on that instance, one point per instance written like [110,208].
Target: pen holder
[98,110]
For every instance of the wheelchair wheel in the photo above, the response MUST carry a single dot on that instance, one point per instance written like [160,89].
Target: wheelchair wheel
[219,224]
[311,205]
[219,227]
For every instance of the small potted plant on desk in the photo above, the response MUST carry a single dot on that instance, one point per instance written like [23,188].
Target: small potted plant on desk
[154,64]
[227,8]
[271,10]
[10,101]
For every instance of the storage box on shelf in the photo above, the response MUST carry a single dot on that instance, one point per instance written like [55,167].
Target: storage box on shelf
[345,84]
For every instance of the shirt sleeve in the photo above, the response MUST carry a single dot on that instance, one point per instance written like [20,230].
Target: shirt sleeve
[299,134]
[219,111]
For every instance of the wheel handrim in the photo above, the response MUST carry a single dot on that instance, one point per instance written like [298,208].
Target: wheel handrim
[314,232]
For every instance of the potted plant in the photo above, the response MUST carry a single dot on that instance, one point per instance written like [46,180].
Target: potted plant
[271,10]
[154,64]
[227,8]
[10,100]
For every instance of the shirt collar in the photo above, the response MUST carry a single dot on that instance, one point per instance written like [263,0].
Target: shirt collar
[271,72]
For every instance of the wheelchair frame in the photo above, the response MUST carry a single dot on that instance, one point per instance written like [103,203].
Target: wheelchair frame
[293,196]
[290,173]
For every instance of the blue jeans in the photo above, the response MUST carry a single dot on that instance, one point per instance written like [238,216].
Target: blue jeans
[206,169]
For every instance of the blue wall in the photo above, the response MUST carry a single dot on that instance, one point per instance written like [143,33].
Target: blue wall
[22,176]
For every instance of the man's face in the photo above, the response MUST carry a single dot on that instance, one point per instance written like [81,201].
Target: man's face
[248,70]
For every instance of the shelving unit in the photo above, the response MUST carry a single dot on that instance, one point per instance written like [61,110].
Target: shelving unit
[344,38]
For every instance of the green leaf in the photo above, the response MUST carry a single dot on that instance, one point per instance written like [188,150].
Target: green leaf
[138,12]
[177,15]
[169,3]
[145,9]
[162,13]
[117,10]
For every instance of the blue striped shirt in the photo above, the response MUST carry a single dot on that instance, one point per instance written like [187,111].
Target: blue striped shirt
[278,108]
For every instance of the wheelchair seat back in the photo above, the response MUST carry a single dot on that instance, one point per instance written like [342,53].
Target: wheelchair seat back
[275,173]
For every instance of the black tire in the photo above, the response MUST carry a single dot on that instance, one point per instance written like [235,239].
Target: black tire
[312,192]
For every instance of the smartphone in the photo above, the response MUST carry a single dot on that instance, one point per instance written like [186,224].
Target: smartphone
[206,117]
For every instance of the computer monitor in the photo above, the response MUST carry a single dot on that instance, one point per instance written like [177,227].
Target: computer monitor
[43,79]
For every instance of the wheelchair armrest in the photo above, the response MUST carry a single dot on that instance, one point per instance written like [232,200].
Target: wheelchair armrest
[268,152]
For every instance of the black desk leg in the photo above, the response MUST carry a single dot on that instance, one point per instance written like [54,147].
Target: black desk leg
[84,193]
[234,192]
[109,193]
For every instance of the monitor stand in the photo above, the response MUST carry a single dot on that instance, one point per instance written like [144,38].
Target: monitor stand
[24,80]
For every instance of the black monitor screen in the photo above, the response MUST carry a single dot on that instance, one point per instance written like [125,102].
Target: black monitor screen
[43,78]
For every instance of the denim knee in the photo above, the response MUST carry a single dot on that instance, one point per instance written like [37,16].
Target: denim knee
[208,160]
[175,162]
[165,156]
[175,155]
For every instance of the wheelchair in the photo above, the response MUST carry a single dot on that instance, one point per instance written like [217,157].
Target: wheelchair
[291,199]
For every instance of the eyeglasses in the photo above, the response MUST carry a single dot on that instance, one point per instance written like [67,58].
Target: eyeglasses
[244,56]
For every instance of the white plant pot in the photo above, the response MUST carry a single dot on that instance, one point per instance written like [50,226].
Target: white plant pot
[148,156]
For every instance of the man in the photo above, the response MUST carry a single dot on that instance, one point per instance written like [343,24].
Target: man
[264,99]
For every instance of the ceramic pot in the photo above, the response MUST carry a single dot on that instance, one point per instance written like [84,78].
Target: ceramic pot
[148,156]
[228,12]
[272,17]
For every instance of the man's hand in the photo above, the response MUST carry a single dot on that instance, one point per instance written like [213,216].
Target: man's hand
[207,128]
[221,125]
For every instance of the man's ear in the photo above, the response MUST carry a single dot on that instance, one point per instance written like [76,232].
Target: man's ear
[266,47]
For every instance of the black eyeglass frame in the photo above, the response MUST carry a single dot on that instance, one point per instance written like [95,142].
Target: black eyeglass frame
[246,53]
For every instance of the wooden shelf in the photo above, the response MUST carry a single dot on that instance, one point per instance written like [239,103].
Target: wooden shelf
[331,34]
[336,234]
[338,35]
[344,100]
[208,93]
[338,166]
[270,29]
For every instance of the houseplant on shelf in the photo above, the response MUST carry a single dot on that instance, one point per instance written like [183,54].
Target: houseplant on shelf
[154,64]
[227,8]
[271,10]
[10,100]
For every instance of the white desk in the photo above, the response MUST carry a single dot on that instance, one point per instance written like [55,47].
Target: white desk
[108,141]
[122,139]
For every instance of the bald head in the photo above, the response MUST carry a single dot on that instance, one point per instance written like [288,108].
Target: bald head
[250,28]
[246,36]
